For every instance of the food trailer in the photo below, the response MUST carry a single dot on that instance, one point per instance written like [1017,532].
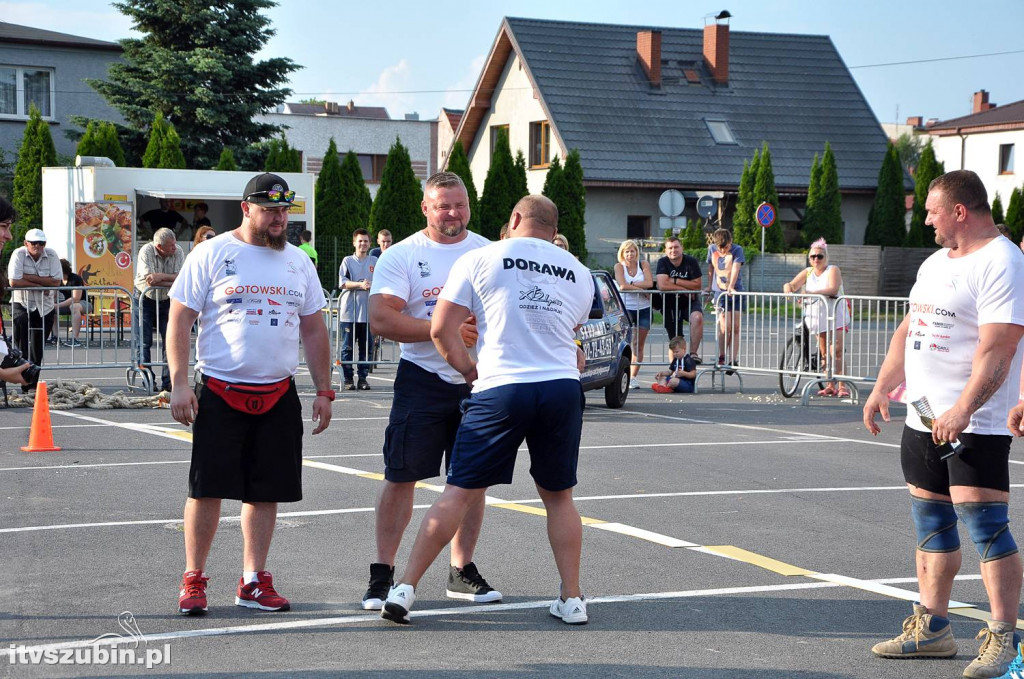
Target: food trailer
[92,214]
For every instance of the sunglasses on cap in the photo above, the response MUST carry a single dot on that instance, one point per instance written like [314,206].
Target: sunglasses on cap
[816,256]
[273,196]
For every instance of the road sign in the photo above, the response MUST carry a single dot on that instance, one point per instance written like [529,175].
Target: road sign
[707,206]
[672,203]
[765,214]
[676,224]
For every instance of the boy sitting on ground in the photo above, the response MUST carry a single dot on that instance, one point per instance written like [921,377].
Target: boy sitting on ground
[681,373]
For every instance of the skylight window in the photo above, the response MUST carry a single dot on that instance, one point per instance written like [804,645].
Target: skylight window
[720,131]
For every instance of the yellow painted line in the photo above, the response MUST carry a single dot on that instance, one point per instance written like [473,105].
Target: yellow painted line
[739,554]
[525,509]
[977,614]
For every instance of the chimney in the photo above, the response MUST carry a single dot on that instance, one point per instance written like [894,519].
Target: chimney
[716,47]
[350,106]
[915,121]
[981,102]
[648,50]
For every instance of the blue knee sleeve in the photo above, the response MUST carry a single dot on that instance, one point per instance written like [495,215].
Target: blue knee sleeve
[935,521]
[989,526]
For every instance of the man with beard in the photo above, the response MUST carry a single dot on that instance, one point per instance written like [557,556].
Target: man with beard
[254,295]
[425,414]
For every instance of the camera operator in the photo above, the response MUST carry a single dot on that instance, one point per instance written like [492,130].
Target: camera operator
[12,375]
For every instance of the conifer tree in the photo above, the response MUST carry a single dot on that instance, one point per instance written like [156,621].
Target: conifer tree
[397,204]
[36,152]
[1015,214]
[171,156]
[811,229]
[693,238]
[928,168]
[743,222]
[157,131]
[329,210]
[110,143]
[89,144]
[997,210]
[281,157]
[458,163]
[521,186]
[355,199]
[829,202]
[499,195]
[764,192]
[227,160]
[886,223]
[571,220]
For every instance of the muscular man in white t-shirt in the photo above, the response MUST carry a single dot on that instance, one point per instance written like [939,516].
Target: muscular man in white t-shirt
[958,347]
[425,415]
[528,297]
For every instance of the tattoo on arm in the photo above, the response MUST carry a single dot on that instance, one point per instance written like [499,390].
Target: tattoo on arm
[991,385]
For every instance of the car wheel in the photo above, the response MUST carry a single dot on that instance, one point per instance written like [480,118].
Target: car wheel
[616,392]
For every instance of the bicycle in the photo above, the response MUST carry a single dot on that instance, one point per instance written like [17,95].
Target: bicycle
[798,359]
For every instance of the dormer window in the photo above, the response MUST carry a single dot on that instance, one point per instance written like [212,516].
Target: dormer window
[720,131]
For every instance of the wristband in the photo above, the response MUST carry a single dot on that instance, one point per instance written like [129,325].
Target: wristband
[326,393]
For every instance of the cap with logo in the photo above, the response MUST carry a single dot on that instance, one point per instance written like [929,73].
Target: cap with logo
[35,236]
[268,190]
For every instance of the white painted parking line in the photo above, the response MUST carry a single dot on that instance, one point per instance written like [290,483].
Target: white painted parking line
[372,617]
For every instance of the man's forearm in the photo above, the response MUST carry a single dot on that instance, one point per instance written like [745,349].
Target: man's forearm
[989,369]
[179,329]
[398,327]
[891,373]
[316,343]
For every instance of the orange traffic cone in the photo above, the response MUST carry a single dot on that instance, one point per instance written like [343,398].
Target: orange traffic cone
[40,437]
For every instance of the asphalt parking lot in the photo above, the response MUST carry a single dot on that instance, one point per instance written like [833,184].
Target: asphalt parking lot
[727,535]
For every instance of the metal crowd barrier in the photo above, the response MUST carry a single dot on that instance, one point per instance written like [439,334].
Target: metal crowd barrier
[348,346]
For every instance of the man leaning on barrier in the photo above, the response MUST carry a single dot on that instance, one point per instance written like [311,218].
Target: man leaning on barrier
[33,265]
[158,266]
[958,346]
[680,274]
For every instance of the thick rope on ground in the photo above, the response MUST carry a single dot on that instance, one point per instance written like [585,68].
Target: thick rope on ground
[68,394]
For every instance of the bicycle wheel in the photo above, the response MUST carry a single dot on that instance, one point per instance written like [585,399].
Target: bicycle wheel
[792,362]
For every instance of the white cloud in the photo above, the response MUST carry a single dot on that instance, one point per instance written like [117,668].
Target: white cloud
[390,90]
[102,23]
[458,94]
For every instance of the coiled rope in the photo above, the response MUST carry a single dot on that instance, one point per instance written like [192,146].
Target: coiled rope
[68,394]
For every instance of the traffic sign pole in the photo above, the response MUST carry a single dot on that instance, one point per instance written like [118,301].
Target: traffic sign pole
[765,216]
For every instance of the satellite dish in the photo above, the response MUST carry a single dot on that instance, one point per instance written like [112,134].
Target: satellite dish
[706,206]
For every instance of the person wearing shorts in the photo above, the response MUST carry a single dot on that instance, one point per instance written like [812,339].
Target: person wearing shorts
[254,295]
[679,273]
[957,347]
[525,388]
[407,283]
[633,275]
[725,259]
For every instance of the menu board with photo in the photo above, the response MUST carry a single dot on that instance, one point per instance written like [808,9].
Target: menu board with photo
[103,244]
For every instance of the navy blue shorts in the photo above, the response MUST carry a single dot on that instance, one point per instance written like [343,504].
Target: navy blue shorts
[547,415]
[724,302]
[640,317]
[421,430]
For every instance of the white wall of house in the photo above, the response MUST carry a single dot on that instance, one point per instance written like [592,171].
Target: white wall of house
[445,139]
[515,105]
[981,154]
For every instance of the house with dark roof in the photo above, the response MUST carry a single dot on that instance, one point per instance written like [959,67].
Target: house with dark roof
[447,123]
[984,141]
[49,69]
[652,109]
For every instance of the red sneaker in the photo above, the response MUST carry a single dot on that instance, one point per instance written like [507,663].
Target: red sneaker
[192,598]
[662,388]
[261,594]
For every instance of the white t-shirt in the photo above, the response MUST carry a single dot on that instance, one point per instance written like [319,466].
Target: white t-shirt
[249,300]
[416,270]
[528,296]
[948,303]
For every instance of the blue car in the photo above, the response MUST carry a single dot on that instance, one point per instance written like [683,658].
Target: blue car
[605,340]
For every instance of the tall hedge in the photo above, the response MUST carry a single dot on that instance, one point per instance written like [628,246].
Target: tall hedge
[998,215]
[329,209]
[154,149]
[522,185]
[829,204]
[37,151]
[110,144]
[887,221]
[571,221]
[397,204]
[928,168]
[355,200]
[810,226]
[1015,214]
[227,160]
[764,192]
[458,162]
[171,156]
[744,226]
[501,189]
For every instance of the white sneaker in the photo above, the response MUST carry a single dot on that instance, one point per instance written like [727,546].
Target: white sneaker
[398,604]
[572,611]
[634,383]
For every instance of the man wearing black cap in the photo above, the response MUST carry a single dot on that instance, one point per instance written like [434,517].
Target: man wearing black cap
[254,295]
[31,266]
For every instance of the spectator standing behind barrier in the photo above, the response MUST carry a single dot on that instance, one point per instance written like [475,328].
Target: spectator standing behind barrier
[157,268]
[822,278]
[561,241]
[203,233]
[958,346]
[526,386]
[254,295]
[679,273]
[725,259]
[7,217]
[305,237]
[428,392]
[383,243]
[631,275]
[73,303]
[682,370]
[355,276]
[33,265]
[160,218]
[199,219]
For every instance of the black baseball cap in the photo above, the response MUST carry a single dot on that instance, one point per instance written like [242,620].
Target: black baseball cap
[268,190]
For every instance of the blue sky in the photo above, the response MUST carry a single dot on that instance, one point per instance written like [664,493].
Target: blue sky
[419,56]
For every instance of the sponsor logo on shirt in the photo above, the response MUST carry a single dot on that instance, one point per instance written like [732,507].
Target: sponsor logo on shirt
[939,348]
[292,303]
[257,290]
[940,336]
[918,307]
[254,312]
[917,346]
[424,269]
[535,294]
[536,267]
[273,321]
[273,312]
[235,300]
[289,323]
[432,292]
[254,300]
[291,268]
[920,322]
[939,324]
[229,267]
[918,333]
[256,322]
[273,302]
[430,302]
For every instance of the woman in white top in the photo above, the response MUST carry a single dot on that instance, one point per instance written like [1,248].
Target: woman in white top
[631,274]
[822,278]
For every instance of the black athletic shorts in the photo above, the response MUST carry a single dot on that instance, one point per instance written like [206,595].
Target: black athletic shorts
[424,418]
[983,463]
[252,458]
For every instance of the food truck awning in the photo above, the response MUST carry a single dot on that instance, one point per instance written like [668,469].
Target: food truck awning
[194,195]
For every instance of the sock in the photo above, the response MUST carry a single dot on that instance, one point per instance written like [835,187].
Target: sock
[249,577]
[937,623]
